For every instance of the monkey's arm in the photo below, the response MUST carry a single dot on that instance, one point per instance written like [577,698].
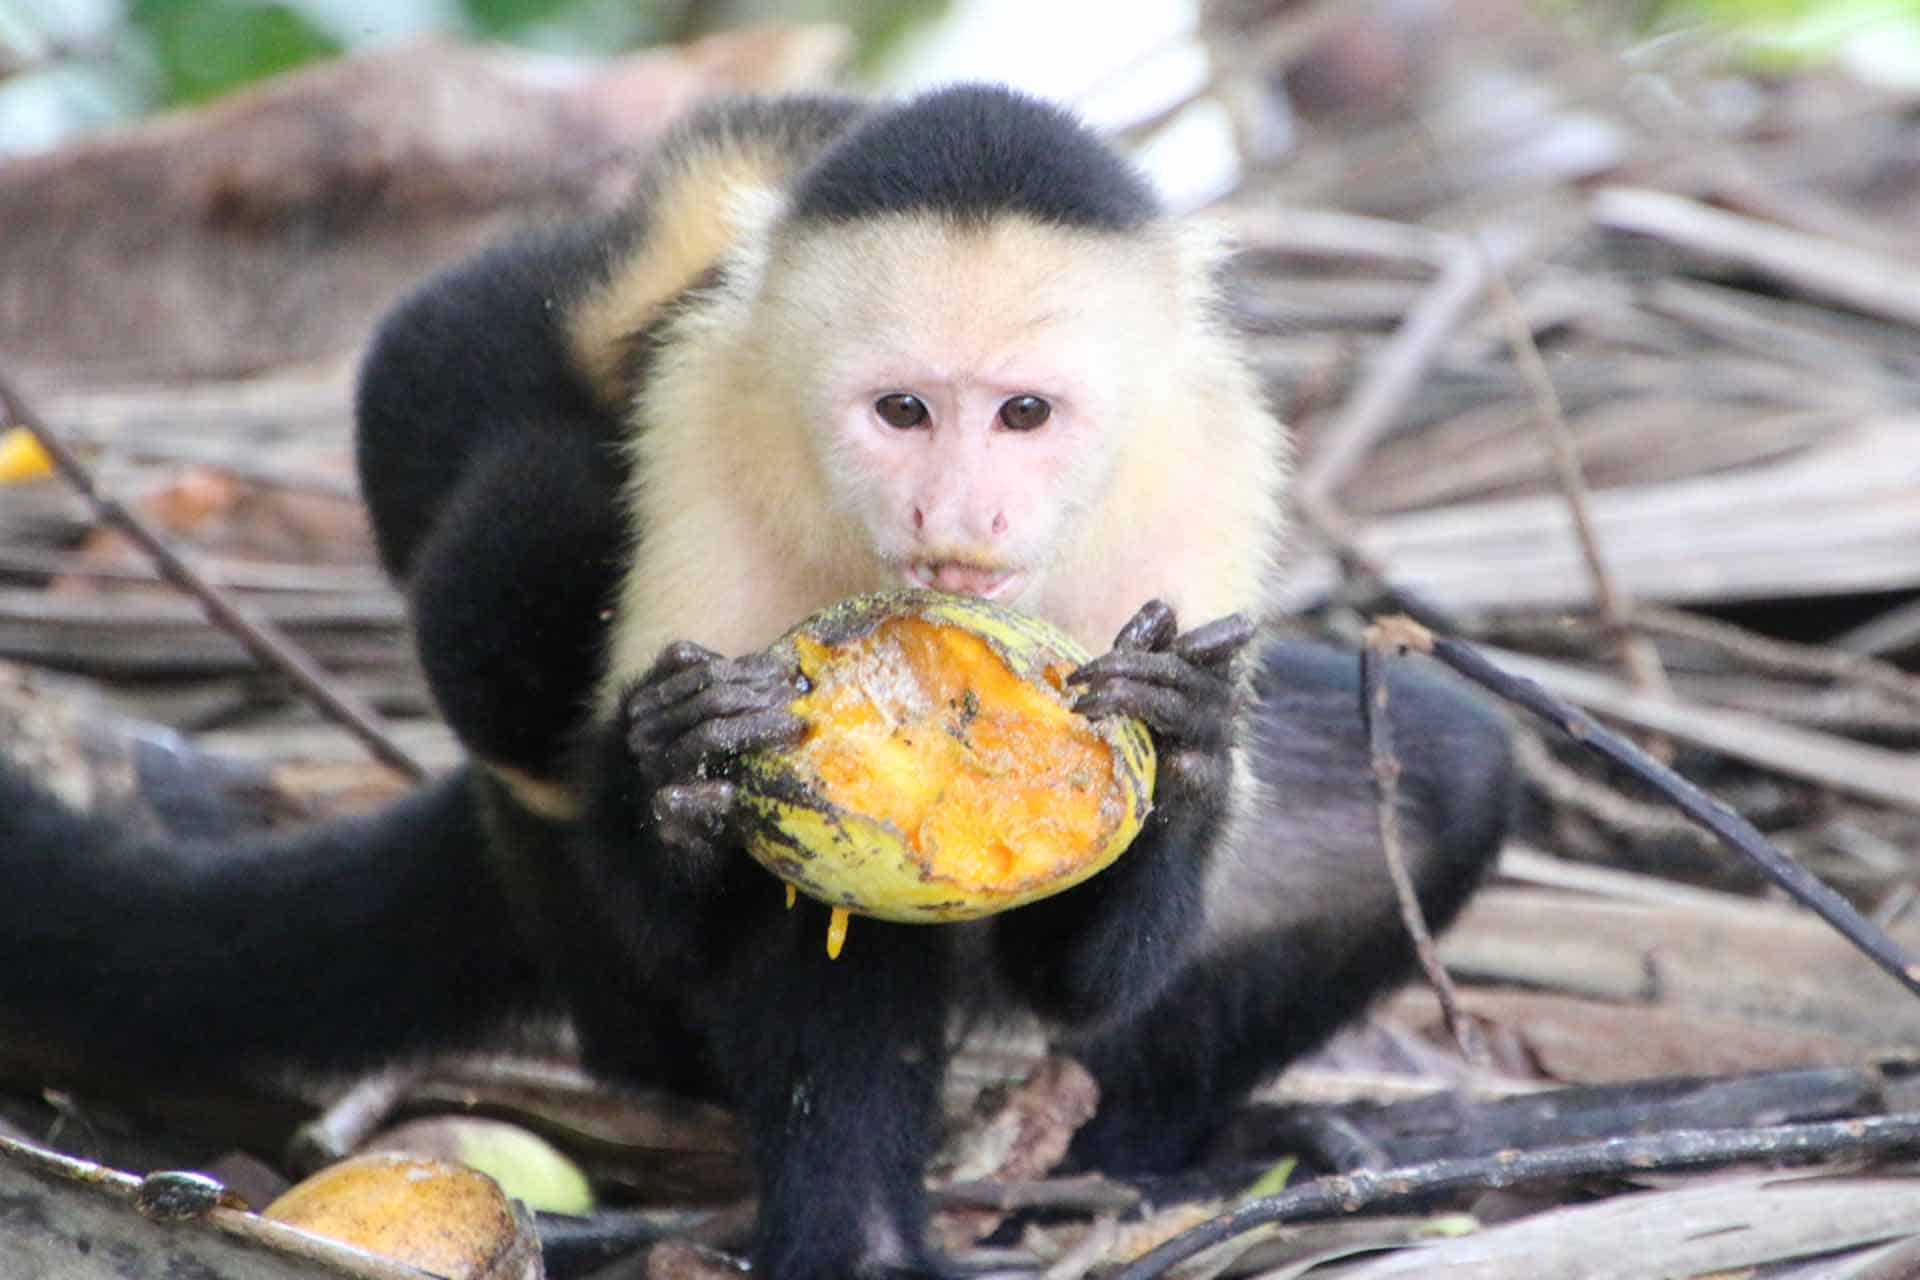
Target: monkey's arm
[659,838]
[833,1065]
[340,944]
[1303,928]
[1107,947]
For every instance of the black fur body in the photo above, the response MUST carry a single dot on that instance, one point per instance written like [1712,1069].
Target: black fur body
[493,457]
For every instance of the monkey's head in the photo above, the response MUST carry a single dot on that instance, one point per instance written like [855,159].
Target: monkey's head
[964,348]
[975,299]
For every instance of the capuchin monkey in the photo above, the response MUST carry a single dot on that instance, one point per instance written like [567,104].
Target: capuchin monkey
[832,346]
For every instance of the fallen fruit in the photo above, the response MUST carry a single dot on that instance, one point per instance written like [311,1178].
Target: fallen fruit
[441,1217]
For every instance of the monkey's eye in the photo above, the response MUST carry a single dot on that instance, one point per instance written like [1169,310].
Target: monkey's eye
[901,410]
[1024,413]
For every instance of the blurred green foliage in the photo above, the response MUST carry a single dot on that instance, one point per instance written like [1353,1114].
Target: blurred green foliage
[202,48]
[1785,34]
[68,65]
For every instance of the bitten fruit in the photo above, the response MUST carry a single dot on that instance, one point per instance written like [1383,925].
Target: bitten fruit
[944,774]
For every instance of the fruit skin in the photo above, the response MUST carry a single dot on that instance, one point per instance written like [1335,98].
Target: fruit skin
[846,859]
[442,1217]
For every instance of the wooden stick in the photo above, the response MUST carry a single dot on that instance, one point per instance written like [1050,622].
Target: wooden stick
[1397,370]
[1802,884]
[1880,774]
[1637,653]
[268,644]
[1636,1157]
[1377,716]
[1854,277]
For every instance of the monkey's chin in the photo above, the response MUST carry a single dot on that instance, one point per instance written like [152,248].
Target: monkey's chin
[964,579]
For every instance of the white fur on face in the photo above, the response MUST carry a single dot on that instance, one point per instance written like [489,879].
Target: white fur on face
[964,319]
[765,486]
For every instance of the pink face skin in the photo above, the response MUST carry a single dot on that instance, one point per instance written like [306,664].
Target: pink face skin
[1026,349]
[965,478]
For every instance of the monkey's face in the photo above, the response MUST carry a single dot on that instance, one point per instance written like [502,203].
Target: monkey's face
[966,387]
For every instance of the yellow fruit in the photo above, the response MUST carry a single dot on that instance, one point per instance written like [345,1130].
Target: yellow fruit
[944,774]
[441,1217]
[22,456]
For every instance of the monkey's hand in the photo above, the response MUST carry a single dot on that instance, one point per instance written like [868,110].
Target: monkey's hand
[688,721]
[1182,685]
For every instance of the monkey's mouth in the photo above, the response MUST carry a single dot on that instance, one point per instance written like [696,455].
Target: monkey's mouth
[963,579]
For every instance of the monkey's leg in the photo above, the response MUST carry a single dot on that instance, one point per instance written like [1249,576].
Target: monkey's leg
[835,1067]
[1302,929]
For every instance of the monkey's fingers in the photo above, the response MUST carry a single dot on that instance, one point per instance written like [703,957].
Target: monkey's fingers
[1215,644]
[1149,628]
[678,656]
[733,694]
[1148,667]
[1174,715]
[713,742]
[665,683]
[694,815]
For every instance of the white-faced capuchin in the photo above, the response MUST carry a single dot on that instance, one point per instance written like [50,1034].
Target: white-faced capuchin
[834,345]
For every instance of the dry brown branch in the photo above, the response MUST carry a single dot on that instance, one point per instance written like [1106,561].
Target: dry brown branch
[1641,659]
[1780,656]
[1823,267]
[1377,716]
[1396,371]
[1634,1157]
[1597,801]
[263,639]
[350,1119]
[1851,768]
[1689,799]
[1895,629]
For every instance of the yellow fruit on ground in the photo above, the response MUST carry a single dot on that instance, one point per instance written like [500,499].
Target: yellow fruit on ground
[22,456]
[441,1217]
[944,774]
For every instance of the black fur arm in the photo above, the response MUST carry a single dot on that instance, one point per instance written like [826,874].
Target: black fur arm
[1303,928]
[1107,948]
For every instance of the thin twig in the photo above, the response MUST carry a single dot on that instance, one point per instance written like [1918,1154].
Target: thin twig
[1881,774]
[1634,1157]
[1779,656]
[1689,799]
[351,1119]
[1332,527]
[1597,801]
[1398,367]
[1377,715]
[1637,653]
[1898,628]
[268,644]
[1854,277]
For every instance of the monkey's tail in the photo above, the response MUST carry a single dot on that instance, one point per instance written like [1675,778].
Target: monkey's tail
[342,943]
